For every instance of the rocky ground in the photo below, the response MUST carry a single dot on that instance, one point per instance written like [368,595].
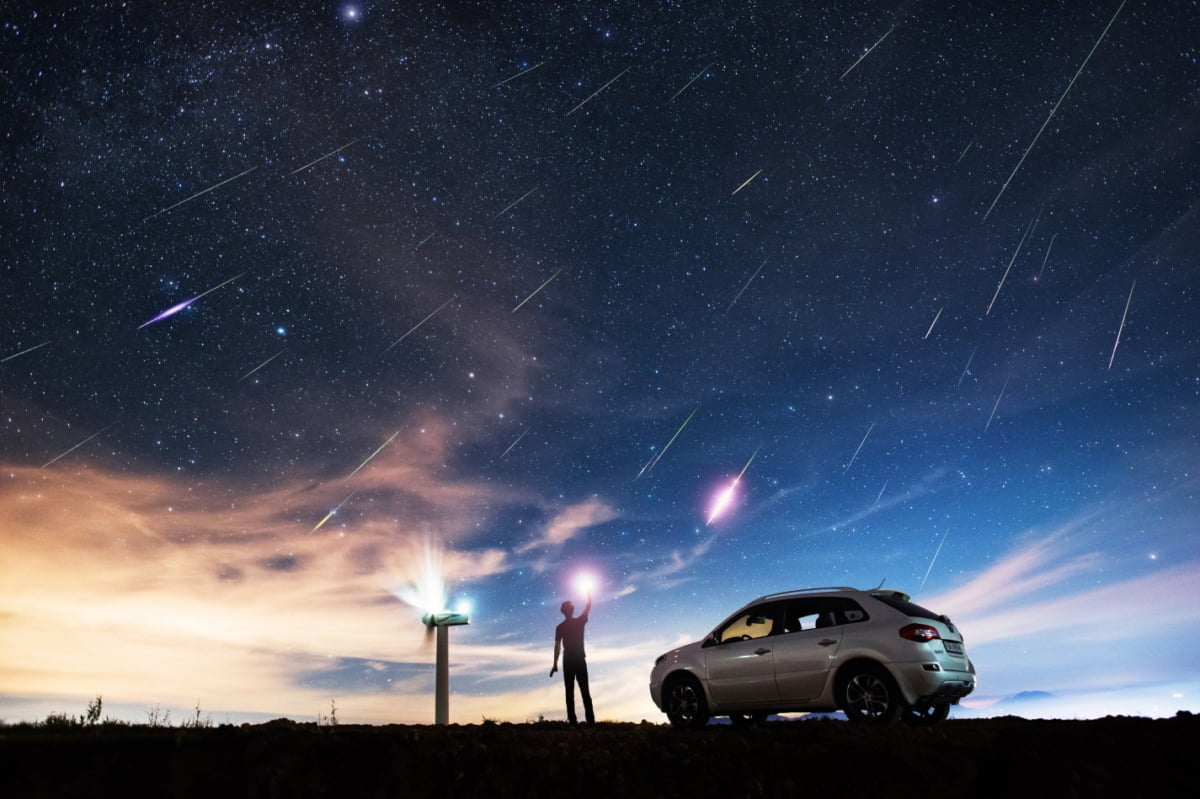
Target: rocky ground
[1126,757]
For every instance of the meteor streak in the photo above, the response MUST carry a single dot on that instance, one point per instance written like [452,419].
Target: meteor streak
[860,446]
[695,78]
[864,55]
[72,449]
[418,324]
[970,358]
[650,464]
[593,94]
[518,441]
[746,182]
[936,317]
[511,205]
[1053,110]
[327,155]
[1121,328]
[1041,271]
[174,309]
[23,352]
[373,454]
[261,365]
[748,282]
[723,500]
[199,193]
[519,74]
[997,405]
[963,154]
[932,561]
[331,513]
[535,291]
[1010,265]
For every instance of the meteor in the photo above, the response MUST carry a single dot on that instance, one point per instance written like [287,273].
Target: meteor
[997,405]
[695,78]
[418,324]
[1010,265]
[725,498]
[1054,110]
[331,513]
[519,74]
[650,464]
[199,194]
[737,296]
[593,94]
[518,441]
[261,365]
[746,182]
[72,449]
[869,50]
[174,309]
[860,446]
[25,351]
[373,454]
[538,289]
[1042,271]
[1122,327]
[322,158]
[936,317]
[511,205]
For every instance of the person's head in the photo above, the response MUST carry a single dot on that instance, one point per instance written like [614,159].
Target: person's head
[568,608]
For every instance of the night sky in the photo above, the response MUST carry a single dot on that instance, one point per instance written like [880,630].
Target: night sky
[515,290]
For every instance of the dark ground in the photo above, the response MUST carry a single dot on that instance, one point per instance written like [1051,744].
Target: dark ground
[1126,757]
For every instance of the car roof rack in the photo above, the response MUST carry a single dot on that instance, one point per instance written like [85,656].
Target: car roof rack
[803,591]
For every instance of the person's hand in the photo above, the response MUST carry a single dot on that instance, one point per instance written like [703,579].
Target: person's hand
[554,670]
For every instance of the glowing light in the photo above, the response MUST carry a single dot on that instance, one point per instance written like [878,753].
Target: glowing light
[426,586]
[725,498]
[585,583]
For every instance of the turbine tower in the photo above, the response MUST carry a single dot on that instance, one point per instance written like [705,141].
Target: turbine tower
[442,622]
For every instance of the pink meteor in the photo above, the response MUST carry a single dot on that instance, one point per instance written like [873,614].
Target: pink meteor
[725,498]
[174,309]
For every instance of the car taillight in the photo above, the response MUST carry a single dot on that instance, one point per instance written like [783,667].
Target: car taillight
[919,632]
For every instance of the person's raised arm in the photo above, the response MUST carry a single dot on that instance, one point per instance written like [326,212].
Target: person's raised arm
[557,647]
[588,607]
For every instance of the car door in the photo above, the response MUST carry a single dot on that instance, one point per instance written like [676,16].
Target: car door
[805,650]
[739,663]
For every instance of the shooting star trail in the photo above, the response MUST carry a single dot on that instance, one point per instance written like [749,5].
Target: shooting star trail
[746,182]
[518,441]
[1117,343]
[512,204]
[961,377]
[331,513]
[933,560]
[72,449]
[742,291]
[174,309]
[413,329]
[593,94]
[24,352]
[650,464]
[199,194]
[1041,271]
[997,405]
[860,446]
[936,317]
[875,504]
[869,50]
[373,454]
[1011,261]
[723,500]
[538,289]
[327,155]
[519,74]
[1053,110]
[422,241]
[261,365]
[695,78]
[963,154]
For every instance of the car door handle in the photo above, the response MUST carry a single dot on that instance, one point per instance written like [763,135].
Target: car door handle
[827,642]
[761,651]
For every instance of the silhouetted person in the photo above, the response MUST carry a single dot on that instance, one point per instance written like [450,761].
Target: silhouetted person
[568,636]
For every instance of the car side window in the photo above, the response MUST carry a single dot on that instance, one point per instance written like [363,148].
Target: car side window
[755,623]
[801,614]
[840,610]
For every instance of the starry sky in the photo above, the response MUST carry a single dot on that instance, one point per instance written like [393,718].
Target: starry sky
[307,306]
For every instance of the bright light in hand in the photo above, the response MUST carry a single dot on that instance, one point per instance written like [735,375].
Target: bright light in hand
[585,583]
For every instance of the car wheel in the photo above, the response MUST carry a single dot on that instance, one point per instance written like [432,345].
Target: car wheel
[686,706]
[869,694]
[928,715]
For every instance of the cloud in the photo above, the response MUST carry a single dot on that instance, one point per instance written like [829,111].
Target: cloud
[570,522]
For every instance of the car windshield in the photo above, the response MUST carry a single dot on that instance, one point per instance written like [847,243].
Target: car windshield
[906,607]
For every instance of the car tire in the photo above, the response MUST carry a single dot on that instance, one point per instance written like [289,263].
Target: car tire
[686,705]
[926,716]
[869,695]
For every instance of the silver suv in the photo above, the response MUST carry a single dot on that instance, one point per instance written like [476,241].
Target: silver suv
[874,655]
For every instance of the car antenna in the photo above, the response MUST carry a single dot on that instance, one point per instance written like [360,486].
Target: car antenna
[881,582]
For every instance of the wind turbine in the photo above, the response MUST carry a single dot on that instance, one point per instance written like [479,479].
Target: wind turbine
[442,622]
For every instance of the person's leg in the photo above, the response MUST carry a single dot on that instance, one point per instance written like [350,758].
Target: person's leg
[585,693]
[569,681]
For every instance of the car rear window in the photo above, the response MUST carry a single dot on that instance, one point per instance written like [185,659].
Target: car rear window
[907,607]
